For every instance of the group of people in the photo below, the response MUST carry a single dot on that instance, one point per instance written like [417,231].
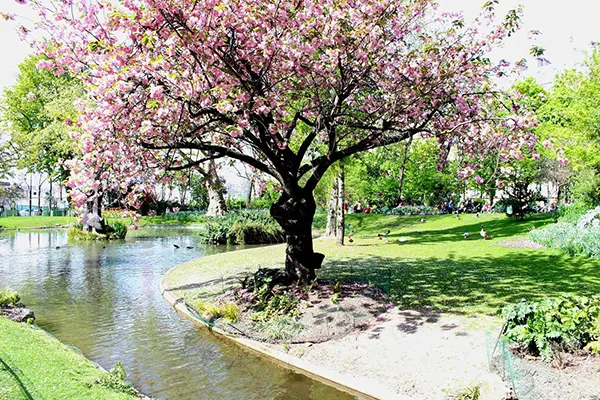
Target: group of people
[467,206]
[357,208]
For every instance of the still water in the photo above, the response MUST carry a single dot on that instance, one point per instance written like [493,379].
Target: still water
[103,298]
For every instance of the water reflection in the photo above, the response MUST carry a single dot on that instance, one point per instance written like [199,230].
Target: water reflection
[104,299]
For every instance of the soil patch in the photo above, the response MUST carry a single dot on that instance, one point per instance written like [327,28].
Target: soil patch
[577,378]
[522,244]
[328,310]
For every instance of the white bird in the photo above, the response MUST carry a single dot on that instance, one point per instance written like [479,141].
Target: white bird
[484,233]
[402,239]
[466,235]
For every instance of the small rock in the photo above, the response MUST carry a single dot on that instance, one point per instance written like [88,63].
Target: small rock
[18,314]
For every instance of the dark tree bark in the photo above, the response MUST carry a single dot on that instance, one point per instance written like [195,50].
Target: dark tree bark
[403,170]
[295,215]
[340,219]
[249,195]
[331,210]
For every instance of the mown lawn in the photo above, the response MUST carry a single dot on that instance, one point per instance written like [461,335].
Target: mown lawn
[43,368]
[52,222]
[35,222]
[426,264]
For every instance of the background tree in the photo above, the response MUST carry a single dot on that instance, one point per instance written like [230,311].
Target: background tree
[274,85]
[38,113]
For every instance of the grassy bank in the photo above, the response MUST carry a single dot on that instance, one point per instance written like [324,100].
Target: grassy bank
[34,222]
[424,264]
[42,367]
[52,222]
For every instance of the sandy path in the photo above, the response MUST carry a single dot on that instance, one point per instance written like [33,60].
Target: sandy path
[422,355]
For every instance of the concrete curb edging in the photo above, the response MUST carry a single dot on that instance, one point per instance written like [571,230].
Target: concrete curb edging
[362,389]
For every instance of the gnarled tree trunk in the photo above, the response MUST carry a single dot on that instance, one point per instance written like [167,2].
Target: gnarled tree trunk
[217,206]
[295,215]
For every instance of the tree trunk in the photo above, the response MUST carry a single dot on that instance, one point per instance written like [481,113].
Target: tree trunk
[92,220]
[340,219]
[249,195]
[30,195]
[217,206]
[51,200]
[295,215]
[403,169]
[331,210]
[39,198]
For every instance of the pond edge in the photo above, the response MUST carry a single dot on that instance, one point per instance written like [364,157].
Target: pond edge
[324,375]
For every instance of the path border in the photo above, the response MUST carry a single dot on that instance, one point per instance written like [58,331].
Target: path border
[327,376]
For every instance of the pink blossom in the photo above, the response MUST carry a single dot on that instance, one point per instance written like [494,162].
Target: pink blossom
[500,184]
[479,180]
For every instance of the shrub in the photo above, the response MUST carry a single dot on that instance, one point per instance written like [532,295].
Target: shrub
[243,227]
[256,233]
[571,214]
[565,323]
[114,231]
[8,297]
[581,239]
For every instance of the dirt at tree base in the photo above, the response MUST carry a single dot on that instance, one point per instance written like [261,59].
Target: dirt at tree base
[328,311]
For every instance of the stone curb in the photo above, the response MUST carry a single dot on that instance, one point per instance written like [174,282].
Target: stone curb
[363,389]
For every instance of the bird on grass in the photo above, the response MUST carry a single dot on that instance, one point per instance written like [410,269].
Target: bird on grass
[477,214]
[176,246]
[422,220]
[403,239]
[484,233]
[350,238]
[457,215]
[466,235]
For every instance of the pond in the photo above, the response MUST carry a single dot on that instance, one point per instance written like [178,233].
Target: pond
[103,298]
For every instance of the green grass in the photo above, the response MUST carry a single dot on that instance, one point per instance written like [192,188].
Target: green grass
[433,265]
[35,222]
[45,368]
[52,222]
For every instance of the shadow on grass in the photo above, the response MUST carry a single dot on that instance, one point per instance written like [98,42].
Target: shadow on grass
[470,284]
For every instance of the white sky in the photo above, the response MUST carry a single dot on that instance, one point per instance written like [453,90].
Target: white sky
[567,30]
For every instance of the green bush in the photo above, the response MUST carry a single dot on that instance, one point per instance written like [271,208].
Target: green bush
[563,324]
[581,239]
[114,231]
[256,233]
[242,227]
[8,297]
[572,213]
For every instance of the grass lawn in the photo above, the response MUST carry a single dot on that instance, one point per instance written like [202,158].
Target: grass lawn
[34,222]
[426,264]
[51,222]
[44,368]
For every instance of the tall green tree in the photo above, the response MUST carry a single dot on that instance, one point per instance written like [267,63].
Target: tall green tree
[38,113]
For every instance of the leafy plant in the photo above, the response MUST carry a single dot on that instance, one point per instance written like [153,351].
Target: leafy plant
[471,392]
[564,323]
[228,311]
[8,297]
[115,379]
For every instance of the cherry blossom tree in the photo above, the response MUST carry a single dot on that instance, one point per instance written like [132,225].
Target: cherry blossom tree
[287,87]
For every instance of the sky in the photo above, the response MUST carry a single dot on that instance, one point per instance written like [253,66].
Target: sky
[567,29]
